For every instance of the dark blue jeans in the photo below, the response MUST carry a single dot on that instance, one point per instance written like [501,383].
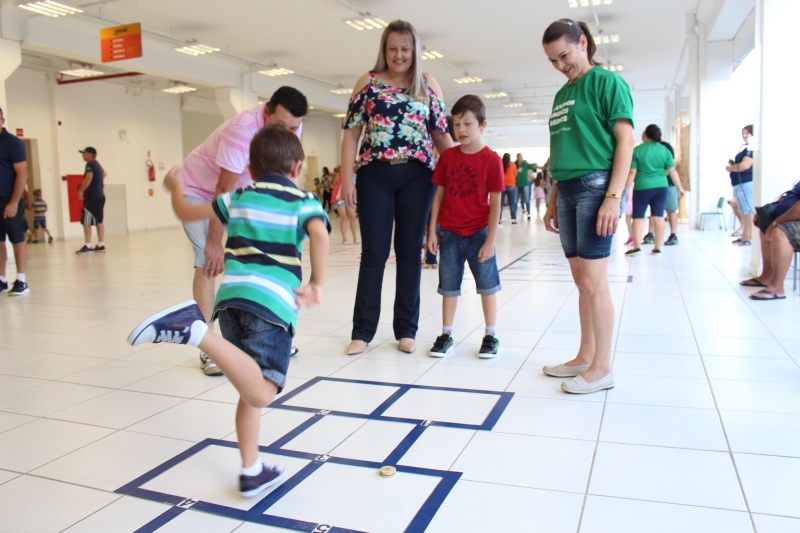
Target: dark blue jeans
[511,194]
[390,196]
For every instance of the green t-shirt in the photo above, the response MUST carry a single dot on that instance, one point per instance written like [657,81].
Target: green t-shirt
[651,159]
[582,123]
[522,173]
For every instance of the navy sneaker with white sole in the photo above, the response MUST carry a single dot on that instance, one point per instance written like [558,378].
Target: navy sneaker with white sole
[180,324]
[442,346]
[3,287]
[19,288]
[252,485]
[490,347]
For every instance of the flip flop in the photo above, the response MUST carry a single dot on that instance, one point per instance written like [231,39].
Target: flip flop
[752,282]
[772,295]
[737,241]
[744,243]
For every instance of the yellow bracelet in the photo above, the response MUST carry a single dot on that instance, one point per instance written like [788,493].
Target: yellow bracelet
[613,195]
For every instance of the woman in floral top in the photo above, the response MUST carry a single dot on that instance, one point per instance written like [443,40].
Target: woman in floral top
[402,116]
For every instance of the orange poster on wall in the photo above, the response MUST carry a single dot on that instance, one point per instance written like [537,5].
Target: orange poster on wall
[121,42]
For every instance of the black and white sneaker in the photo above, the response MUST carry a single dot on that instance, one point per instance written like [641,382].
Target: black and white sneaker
[442,346]
[294,351]
[19,288]
[252,485]
[672,241]
[180,324]
[99,249]
[3,287]
[649,239]
[490,347]
[85,250]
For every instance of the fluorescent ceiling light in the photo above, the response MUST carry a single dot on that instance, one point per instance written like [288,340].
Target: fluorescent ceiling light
[82,72]
[431,55]
[50,8]
[196,49]
[467,79]
[179,89]
[340,115]
[276,71]
[513,104]
[341,91]
[572,3]
[613,38]
[366,23]
[614,68]
[496,95]
[585,3]
[528,113]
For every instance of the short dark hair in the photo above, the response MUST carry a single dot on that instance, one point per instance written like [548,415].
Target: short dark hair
[291,99]
[274,150]
[572,31]
[653,133]
[470,102]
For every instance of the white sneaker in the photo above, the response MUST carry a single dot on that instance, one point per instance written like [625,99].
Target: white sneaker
[578,385]
[564,371]
[209,366]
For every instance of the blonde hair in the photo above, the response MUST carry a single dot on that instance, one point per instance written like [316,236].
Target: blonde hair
[419,85]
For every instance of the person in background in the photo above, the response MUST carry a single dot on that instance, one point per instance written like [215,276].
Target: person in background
[538,192]
[327,184]
[39,208]
[671,207]
[548,181]
[741,172]
[591,145]
[345,212]
[510,183]
[402,116]
[94,201]
[524,184]
[13,176]
[735,207]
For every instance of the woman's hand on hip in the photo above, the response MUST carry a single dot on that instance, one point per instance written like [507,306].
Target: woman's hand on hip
[551,218]
[608,217]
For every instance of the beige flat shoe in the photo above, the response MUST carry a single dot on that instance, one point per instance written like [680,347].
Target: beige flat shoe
[407,345]
[356,347]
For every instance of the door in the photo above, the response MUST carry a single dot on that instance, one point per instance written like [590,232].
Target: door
[312,171]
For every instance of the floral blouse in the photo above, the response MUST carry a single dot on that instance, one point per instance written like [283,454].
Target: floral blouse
[397,126]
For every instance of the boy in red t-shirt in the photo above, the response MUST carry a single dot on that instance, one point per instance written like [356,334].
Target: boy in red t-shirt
[466,206]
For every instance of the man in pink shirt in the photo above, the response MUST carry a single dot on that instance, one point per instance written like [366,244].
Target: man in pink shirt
[217,166]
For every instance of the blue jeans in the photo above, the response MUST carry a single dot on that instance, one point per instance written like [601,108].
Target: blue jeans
[579,201]
[511,194]
[455,250]
[524,194]
[270,345]
[399,197]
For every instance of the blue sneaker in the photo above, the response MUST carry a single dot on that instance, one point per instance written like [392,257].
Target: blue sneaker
[19,288]
[180,324]
[252,485]
[3,287]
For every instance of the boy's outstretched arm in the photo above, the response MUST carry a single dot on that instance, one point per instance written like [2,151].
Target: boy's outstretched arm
[183,209]
[318,235]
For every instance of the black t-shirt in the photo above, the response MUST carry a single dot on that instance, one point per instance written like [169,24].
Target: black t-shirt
[95,188]
[11,151]
[669,147]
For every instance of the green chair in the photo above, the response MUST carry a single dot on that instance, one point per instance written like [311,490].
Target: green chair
[718,213]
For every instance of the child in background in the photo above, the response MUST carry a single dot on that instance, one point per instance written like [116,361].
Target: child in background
[466,206]
[538,190]
[345,213]
[39,208]
[258,301]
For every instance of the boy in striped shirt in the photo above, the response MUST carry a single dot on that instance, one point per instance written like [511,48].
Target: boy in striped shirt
[39,208]
[261,291]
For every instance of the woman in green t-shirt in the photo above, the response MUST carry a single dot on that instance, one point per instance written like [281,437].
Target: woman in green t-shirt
[650,185]
[591,144]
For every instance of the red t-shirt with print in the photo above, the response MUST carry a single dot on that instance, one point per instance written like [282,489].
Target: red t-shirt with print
[467,180]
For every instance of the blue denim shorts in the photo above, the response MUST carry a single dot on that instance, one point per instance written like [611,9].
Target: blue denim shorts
[655,198]
[270,345]
[743,193]
[579,201]
[454,250]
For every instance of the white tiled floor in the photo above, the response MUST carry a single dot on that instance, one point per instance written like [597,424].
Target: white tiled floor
[701,434]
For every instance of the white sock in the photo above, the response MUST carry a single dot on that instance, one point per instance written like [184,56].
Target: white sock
[100,243]
[3,279]
[491,331]
[253,470]
[88,245]
[197,332]
[447,330]
[21,277]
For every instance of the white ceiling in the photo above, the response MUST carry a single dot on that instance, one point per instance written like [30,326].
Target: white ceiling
[499,42]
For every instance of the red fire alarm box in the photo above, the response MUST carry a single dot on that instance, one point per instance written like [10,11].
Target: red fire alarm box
[75,204]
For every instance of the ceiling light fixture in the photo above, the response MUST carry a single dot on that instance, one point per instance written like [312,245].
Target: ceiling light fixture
[528,114]
[467,79]
[605,39]
[341,91]
[366,23]
[340,115]
[50,8]
[178,88]
[513,104]
[196,49]
[614,68]
[585,3]
[431,55]
[83,72]
[496,95]
[276,71]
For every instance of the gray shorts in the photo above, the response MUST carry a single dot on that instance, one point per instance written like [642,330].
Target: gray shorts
[792,231]
[198,234]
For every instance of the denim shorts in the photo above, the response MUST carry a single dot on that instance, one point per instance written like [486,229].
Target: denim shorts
[41,223]
[672,199]
[197,232]
[454,250]
[743,193]
[655,198]
[270,345]
[579,201]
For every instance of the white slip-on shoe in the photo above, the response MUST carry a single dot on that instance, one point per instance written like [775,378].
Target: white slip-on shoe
[578,385]
[564,371]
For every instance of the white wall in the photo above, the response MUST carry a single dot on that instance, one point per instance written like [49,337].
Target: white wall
[322,138]
[196,127]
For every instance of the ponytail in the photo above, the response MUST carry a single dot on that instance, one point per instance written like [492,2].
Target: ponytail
[572,31]
[653,133]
